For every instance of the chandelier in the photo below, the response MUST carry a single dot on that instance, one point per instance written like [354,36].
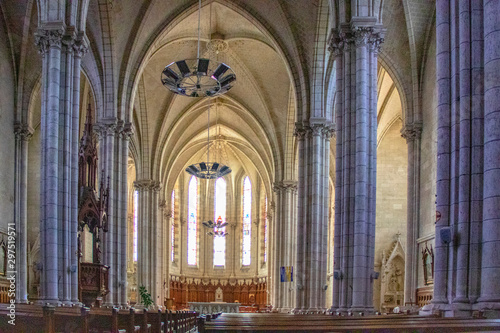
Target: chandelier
[216,229]
[198,77]
[208,170]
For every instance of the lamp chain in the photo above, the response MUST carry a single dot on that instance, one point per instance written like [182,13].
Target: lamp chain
[199,19]
[208,137]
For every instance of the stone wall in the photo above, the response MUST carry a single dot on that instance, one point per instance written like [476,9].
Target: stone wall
[392,163]
[428,155]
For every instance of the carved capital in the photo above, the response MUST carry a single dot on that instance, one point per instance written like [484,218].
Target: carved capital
[45,38]
[106,128]
[147,184]
[341,40]
[329,132]
[300,131]
[361,35]
[23,132]
[126,131]
[81,45]
[338,42]
[411,132]
[285,186]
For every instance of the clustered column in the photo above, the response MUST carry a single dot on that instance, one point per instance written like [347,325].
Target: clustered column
[412,135]
[149,264]
[356,49]
[23,134]
[312,214]
[467,264]
[284,232]
[61,49]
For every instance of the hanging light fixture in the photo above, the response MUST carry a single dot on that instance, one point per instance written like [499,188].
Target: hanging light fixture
[208,170]
[216,229]
[198,77]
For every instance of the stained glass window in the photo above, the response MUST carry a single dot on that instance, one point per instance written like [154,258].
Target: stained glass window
[136,205]
[247,220]
[265,232]
[220,211]
[172,227]
[192,221]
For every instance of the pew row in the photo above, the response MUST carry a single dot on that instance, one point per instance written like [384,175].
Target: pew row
[49,319]
[276,322]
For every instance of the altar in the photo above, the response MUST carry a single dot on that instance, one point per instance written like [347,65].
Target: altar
[214,307]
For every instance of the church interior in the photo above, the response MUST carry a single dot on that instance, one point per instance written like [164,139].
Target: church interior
[315,157]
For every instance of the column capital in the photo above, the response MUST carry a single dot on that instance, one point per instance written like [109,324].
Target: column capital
[126,131]
[411,132]
[147,184]
[49,35]
[81,45]
[286,186]
[106,127]
[23,131]
[342,39]
[300,130]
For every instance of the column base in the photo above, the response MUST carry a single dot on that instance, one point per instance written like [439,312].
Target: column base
[447,310]
[490,310]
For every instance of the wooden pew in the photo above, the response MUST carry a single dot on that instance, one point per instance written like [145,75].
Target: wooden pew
[328,323]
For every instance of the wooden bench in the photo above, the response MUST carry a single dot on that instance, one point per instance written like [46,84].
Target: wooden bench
[49,319]
[327,323]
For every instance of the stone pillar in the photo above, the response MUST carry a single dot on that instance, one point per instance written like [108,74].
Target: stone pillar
[412,135]
[49,40]
[490,268]
[313,139]
[468,197]
[283,233]
[80,47]
[108,131]
[125,135]
[148,262]
[355,46]
[23,134]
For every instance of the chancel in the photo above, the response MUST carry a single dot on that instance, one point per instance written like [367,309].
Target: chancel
[218,165]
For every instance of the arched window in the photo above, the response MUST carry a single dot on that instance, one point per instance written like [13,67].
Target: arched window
[136,205]
[172,227]
[220,211]
[265,232]
[247,221]
[192,221]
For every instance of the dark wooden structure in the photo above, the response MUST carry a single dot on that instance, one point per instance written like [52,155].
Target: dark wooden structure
[92,213]
[49,319]
[280,322]
[250,295]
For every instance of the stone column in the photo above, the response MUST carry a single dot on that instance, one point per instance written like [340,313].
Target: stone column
[355,46]
[49,40]
[283,233]
[468,197]
[125,135]
[108,133]
[23,134]
[412,135]
[490,268]
[147,256]
[312,214]
[80,47]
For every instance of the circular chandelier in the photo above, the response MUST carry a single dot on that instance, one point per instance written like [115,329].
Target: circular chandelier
[208,170]
[198,77]
[217,226]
